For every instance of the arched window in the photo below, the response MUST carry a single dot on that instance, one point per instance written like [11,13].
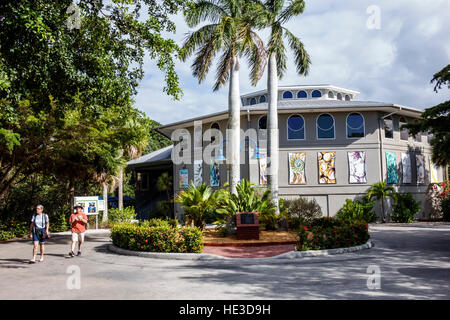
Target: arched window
[262,127]
[262,99]
[287,95]
[325,127]
[330,94]
[302,95]
[403,132]
[347,97]
[316,94]
[339,96]
[252,101]
[388,128]
[296,128]
[216,126]
[355,125]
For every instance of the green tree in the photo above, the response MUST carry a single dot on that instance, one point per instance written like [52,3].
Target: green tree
[436,120]
[277,14]
[230,32]
[380,191]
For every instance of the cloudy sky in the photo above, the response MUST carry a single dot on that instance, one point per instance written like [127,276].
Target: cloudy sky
[394,63]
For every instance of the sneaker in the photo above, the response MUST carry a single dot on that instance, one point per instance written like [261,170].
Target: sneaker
[79,253]
[71,254]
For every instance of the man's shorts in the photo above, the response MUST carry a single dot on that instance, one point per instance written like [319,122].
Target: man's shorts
[78,236]
[38,238]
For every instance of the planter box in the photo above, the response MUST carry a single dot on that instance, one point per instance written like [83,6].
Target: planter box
[247,226]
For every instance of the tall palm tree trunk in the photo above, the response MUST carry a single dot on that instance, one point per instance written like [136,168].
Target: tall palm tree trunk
[105,199]
[234,125]
[120,200]
[272,126]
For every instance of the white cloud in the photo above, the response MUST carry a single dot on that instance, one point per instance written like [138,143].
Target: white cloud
[393,64]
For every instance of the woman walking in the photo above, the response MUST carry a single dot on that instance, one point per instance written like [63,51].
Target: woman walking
[39,231]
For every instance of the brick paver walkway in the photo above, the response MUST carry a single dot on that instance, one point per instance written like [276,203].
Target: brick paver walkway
[249,252]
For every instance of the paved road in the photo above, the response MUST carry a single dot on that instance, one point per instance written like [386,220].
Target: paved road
[414,264]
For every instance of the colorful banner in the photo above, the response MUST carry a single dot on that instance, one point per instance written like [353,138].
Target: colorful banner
[184,178]
[420,164]
[214,176]
[198,172]
[406,168]
[391,164]
[297,168]
[357,166]
[327,173]
[433,172]
[262,168]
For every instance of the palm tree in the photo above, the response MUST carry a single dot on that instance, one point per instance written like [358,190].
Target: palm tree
[230,32]
[381,191]
[276,16]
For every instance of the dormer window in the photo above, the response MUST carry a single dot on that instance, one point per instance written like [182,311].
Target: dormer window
[339,96]
[347,97]
[288,95]
[252,101]
[330,94]
[302,95]
[316,94]
[262,99]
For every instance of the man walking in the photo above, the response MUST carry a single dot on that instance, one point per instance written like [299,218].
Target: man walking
[39,231]
[78,221]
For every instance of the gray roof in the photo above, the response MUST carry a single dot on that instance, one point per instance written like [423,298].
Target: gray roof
[158,156]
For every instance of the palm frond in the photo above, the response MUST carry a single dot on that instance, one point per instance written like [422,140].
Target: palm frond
[302,59]
[204,10]
[293,9]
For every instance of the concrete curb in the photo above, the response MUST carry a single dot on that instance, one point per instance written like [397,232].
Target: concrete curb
[207,256]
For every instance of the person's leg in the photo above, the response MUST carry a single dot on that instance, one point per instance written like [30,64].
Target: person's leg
[35,245]
[42,251]
[80,242]
[74,243]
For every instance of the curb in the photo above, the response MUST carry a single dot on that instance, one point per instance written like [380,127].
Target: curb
[207,256]
[249,244]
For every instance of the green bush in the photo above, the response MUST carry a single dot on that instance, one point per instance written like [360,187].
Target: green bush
[13,229]
[357,210]
[330,233]
[445,205]
[300,211]
[156,236]
[59,221]
[124,215]
[405,208]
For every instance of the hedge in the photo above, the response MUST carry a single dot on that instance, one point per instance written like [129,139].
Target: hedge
[330,233]
[157,236]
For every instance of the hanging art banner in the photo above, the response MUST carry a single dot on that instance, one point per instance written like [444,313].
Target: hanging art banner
[391,164]
[327,174]
[297,168]
[406,168]
[357,166]
[262,168]
[214,175]
[184,177]
[198,172]
[433,172]
[420,164]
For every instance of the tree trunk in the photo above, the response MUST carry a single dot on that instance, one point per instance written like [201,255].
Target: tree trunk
[272,128]
[105,199]
[233,136]
[71,194]
[120,196]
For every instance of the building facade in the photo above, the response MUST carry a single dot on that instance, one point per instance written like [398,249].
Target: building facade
[332,147]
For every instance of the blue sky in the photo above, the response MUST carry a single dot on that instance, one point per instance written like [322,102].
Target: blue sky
[394,63]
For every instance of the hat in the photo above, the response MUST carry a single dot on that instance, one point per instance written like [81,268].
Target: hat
[78,206]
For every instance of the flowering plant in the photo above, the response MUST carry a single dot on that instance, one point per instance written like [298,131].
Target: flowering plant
[436,193]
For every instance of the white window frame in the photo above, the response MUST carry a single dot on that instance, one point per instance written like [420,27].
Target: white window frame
[304,128]
[317,127]
[364,126]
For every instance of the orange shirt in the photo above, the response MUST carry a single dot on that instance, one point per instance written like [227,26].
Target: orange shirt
[78,226]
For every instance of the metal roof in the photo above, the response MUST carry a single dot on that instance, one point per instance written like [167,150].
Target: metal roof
[158,156]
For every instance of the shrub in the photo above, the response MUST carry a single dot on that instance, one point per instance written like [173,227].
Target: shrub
[445,206]
[59,221]
[405,208]
[156,236]
[330,233]
[126,214]
[358,210]
[437,193]
[13,229]
[300,211]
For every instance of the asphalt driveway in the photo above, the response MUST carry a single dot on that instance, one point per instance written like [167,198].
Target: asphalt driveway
[414,263]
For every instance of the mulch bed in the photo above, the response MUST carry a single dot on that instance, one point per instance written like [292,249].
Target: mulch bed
[211,237]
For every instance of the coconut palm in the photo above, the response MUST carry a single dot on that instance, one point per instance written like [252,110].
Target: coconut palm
[277,15]
[381,191]
[230,33]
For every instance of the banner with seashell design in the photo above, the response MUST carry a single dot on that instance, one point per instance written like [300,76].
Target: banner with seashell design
[198,172]
[406,168]
[214,176]
[391,165]
[420,164]
[357,166]
[297,168]
[262,168]
[183,178]
[327,174]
